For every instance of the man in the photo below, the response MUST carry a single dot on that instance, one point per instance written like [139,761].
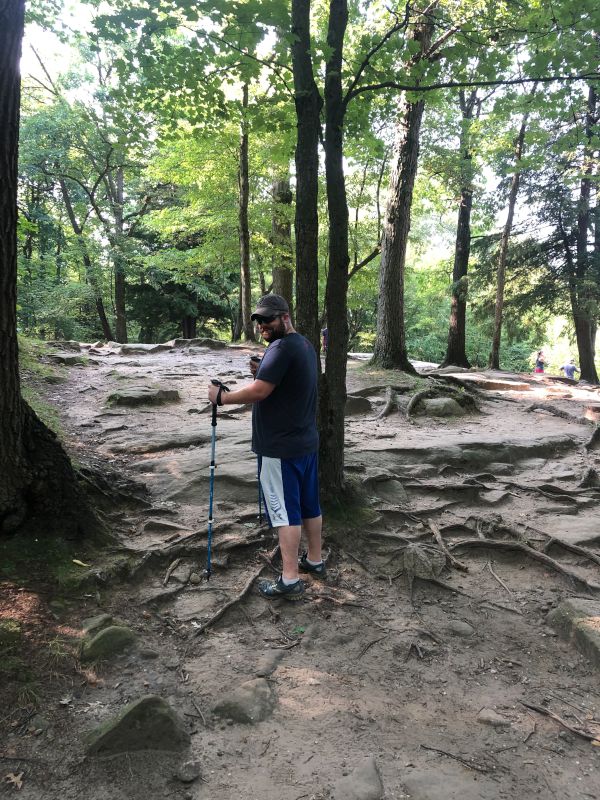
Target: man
[285,438]
[570,369]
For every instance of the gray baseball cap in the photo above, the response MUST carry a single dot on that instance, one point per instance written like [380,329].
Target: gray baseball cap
[270,305]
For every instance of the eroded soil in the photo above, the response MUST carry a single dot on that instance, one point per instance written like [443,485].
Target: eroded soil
[358,668]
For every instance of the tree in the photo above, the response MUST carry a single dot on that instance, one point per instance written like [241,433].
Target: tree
[38,489]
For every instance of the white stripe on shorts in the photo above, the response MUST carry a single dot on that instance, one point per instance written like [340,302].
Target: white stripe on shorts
[271,481]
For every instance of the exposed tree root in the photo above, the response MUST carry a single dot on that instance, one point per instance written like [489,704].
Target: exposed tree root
[532,553]
[558,412]
[573,548]
[247,586]
[391,403]
[591,737]
[452,559]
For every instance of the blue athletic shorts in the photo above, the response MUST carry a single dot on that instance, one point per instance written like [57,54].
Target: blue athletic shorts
[290,489]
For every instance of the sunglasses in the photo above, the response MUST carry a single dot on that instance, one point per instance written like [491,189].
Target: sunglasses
[266,320]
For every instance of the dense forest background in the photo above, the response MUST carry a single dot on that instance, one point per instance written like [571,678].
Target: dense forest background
[157,188]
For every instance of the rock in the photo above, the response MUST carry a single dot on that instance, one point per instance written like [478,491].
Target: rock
[440,407]
[195,579]
[75,347]
[148,653]
[268,663]
[357,405]
[251,702]
[189,771]
[460,628]
[390,490]
[494,498]
[143,395]
[146,724]
[578,620]
[92,624]
[487,716]
[107,642]
[212,344]
[364,783]
[70,359]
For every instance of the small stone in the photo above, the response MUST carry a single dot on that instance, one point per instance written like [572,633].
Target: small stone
[188,772]
[250,703]
[195,579]
[364,783]
[487,716]
[460,628]
[148,653]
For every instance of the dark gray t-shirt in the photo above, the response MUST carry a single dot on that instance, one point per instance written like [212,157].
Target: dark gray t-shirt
[284,424]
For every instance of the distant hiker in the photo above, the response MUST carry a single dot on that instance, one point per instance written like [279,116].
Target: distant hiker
[285,438]
[570,369]
[325,339]
[540,362]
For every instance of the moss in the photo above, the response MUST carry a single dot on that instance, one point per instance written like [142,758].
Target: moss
[31,558]
[10,634]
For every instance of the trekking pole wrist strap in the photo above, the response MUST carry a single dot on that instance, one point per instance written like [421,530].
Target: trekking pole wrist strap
[220,396]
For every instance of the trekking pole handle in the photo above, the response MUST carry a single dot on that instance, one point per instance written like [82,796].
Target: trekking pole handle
[222,388]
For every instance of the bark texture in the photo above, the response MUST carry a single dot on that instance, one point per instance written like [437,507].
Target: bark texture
[456,349]
[390,344]
[281,237]
[308,103]
[494,361]
[244,230]
[333,385]
[38,490]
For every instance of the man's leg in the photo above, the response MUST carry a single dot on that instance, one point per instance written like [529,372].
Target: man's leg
[312,528]
[289,544]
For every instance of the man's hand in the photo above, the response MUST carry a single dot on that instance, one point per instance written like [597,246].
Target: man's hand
[213,391]
[254,365]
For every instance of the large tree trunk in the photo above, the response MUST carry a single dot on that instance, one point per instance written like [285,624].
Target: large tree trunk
[89,270]
[120,289]
[244,231]
[38,490]
[281,235]
[308,104]
[456,352]
[494,360]
[333,385]
[390,344]
[585,328]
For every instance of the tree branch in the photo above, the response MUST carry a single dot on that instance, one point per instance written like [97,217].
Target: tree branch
[365,261]
[589,76]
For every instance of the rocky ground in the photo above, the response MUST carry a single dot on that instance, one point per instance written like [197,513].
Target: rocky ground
[451,652]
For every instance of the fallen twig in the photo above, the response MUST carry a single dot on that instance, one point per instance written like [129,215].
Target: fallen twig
[370,644]
[499,579]
[465,761]
[170,570]
[547,713]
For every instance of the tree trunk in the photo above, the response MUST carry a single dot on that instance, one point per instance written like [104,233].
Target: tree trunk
[120,290]
[456,353]
[38,490]
[89,270]
[281,235]
[308,104]
[390,344]
[585,329]
[333,385]
[494,360]
[244,231]
[188,327]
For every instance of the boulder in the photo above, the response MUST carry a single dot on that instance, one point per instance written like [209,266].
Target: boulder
[143,395]
[146,724]
[357,405]
[440,407]
[249,703]
[69,359]
[108,642]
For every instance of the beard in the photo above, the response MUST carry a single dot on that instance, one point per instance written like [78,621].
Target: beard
[273,332]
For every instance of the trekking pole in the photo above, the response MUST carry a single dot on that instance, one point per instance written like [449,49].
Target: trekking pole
[208,570]
[257,360]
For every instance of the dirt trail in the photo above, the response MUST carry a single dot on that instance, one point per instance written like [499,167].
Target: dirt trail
[358,669]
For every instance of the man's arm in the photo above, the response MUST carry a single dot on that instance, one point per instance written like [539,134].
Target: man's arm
[252,393]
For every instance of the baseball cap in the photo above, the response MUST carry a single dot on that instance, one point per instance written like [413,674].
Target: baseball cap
[270,305]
